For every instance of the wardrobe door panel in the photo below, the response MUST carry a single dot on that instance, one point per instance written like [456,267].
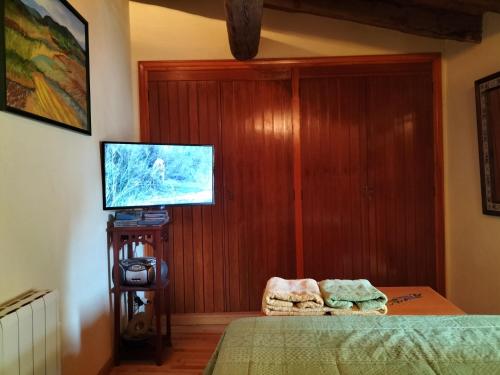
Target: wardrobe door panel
[334,177]
[368,176]
[401,179]
[187,112]
[258,188]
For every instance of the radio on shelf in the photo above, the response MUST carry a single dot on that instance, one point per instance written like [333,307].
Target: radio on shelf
[140,271]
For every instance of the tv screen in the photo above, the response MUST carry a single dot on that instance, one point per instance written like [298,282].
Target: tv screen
[144,174]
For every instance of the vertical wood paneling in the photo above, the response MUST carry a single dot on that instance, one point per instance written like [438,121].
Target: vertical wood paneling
[401,176]
[164,132]
[297,174]
[174,136]
[154,126]
[427,173]
[333,176]
[437,119]
[205,301]
[366,171]
[231,210]
[368,177]
[184,119]
[197,235]
[212,92]
[189,114]
[258,181]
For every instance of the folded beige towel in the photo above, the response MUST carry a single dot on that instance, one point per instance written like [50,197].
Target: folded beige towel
[292,297]
[296,312]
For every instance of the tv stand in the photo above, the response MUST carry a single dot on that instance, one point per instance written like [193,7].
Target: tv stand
[122,240]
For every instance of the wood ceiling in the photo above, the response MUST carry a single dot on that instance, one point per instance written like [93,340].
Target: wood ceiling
[460,20]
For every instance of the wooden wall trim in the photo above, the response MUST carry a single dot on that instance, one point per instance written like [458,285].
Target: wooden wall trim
[220,169]
[293,62]
[297,175]
[392,69]
[281,73]
[190,319]
[439,176]
[145,131]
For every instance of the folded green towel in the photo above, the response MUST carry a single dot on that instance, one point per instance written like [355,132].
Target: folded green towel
[342,294]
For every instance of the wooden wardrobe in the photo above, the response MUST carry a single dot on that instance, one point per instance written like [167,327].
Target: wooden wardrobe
[325,168]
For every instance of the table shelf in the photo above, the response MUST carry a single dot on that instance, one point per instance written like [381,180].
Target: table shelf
[121,241]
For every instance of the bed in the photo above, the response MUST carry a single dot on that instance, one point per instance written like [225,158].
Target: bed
[398,344]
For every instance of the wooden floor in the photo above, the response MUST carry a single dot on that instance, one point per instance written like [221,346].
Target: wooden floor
[194,338]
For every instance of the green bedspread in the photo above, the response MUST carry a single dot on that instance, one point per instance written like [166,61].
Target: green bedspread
[421,345]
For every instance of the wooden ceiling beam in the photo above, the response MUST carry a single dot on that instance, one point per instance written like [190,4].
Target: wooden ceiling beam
[464,6]
[487,5]
[243,22]
[405,16]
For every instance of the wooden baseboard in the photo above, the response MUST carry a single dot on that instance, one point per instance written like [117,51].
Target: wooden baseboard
[106,369]
[189,319]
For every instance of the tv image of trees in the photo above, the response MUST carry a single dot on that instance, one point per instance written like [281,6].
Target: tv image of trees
[153,175]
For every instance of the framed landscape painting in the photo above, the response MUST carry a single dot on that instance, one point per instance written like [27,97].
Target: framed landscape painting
[44,62]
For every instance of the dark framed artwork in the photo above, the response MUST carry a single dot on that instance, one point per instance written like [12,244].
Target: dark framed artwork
[488,131]
[44,62]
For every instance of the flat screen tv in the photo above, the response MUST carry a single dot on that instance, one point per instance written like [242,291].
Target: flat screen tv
[140,175]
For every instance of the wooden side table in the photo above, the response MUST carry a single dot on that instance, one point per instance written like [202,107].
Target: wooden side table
[122,240]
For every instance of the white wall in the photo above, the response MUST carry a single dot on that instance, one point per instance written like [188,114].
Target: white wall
[52,227]
[473,251]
